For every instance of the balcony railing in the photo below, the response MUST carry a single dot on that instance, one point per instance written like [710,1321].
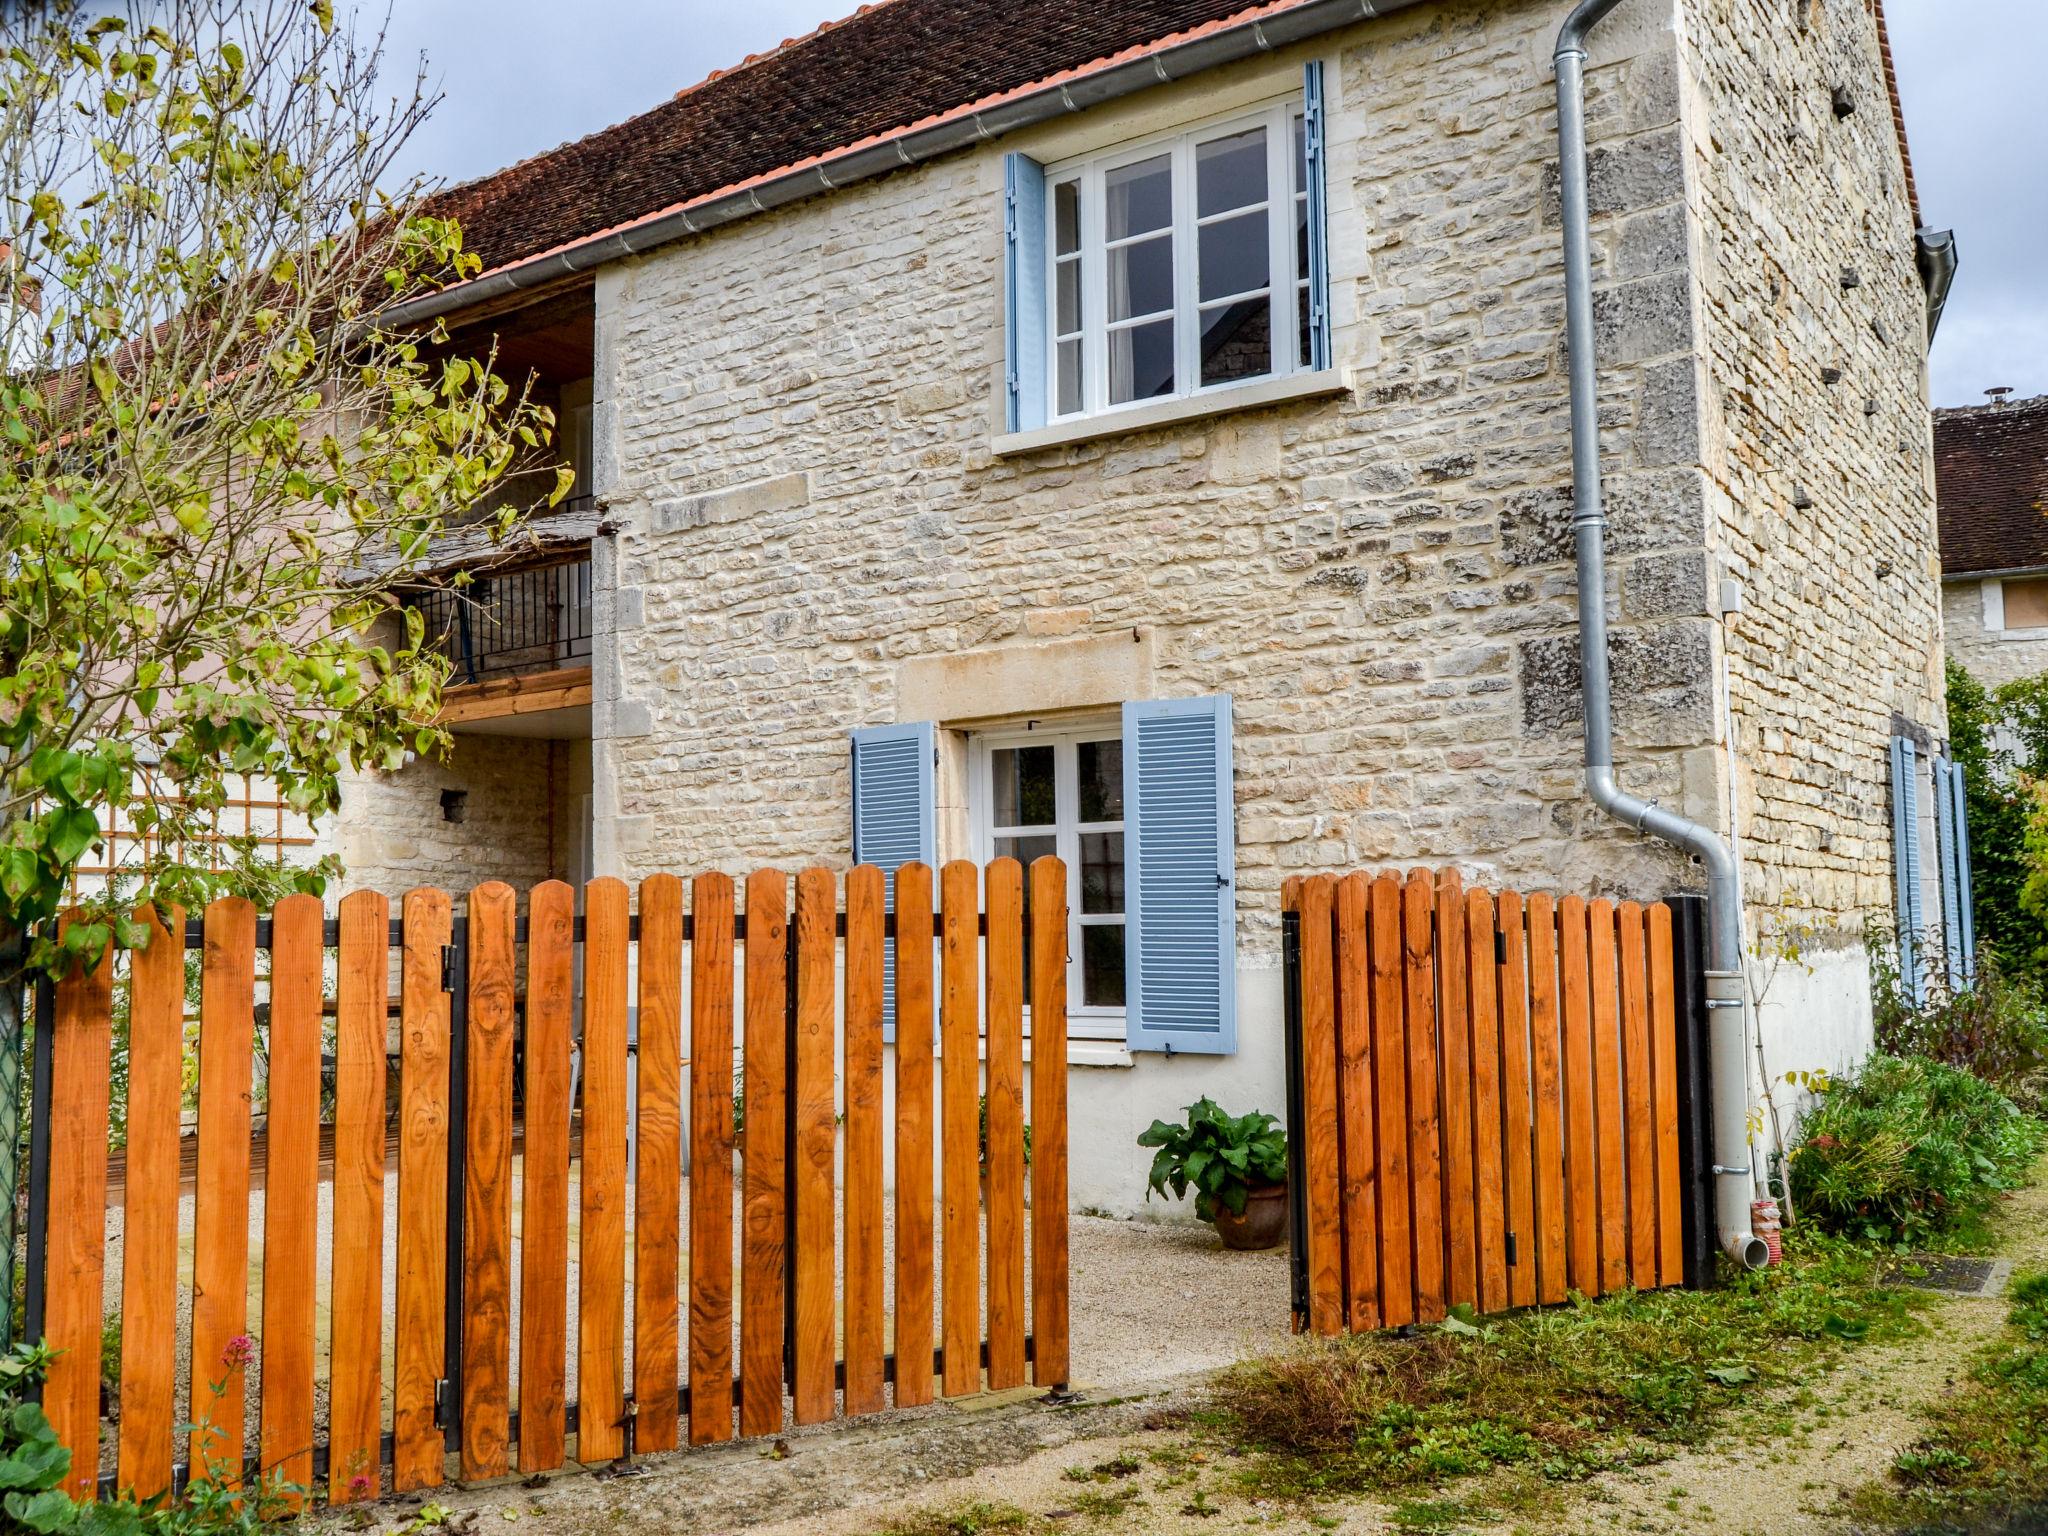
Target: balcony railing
[534,619]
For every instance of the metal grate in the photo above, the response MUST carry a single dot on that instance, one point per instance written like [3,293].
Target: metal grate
[534,619]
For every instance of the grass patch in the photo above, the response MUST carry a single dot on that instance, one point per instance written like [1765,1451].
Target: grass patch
[1561,1392]
[973,1519]
[1982,1466]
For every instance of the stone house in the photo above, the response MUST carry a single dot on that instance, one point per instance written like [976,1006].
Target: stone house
[1052,426]
[1991,477]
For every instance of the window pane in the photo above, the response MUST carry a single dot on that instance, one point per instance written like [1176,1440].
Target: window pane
[1141,362]
[1102,966]
[1025,849]
[1102,780]
[1300,153]
[1232,255]
[1069,377]
[1138,198]
[1303,350]
[1237,341]
[1067,298]
[1023,788]
[1066,217]
[1102,872]
[1141,278]
[1230,173]
[1301,239]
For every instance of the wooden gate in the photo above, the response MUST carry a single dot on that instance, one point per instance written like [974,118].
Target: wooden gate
[1485,1099]
[517,1036]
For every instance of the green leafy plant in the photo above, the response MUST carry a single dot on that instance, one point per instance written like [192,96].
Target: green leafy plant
[983,1133]
[1223,1157]
[1996,1027]
[1908,1150]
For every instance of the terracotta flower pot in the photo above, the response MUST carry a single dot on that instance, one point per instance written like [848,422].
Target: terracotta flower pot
[1263,1224]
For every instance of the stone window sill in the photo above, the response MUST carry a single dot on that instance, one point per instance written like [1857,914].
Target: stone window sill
[1166,413]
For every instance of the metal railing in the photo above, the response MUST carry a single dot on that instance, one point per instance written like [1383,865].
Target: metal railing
[533,619]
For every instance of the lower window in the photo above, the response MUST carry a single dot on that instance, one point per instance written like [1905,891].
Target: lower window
[1038,791]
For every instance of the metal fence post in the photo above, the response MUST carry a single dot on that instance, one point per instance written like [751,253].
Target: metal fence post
[456,978]
[1297,1161]
[13,1030]
[1695,1092]
[38,1165]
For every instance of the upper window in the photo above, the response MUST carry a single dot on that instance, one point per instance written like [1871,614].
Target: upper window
[2026,603]
[1179,265]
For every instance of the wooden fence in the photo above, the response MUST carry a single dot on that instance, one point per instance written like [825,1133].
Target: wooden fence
[483,1060]
[1487,1094]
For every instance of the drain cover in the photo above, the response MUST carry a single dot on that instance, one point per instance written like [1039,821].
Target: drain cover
[1958,1277]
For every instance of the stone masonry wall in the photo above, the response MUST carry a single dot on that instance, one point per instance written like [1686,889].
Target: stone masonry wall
[795,440]
[1818,442]
[1993,656]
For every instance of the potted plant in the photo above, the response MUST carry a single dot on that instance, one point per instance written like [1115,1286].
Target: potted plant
[1237,1165]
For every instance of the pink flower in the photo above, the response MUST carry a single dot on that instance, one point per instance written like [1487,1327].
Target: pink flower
[239,1352]
[359,1485]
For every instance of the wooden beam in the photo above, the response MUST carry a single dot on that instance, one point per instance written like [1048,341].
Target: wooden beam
[526,693]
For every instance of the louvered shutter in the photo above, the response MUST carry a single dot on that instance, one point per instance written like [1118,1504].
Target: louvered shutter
[1180,973]
[1315,177]
[1906,860]
[1024,263]
[894,821]
[1966,915]
[1945,852]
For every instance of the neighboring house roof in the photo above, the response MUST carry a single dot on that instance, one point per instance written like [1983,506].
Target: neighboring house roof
[889,68]
[1991,486]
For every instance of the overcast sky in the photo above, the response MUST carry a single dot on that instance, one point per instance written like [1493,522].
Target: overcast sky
[521,76]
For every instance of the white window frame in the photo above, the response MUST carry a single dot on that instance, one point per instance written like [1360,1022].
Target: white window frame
[1284,284]
[1084,1022]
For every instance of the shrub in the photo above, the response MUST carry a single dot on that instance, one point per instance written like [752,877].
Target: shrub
[1224,1156]
[1996,1028]
[1909,1149]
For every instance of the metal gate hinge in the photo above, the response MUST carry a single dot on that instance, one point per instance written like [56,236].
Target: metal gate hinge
[447,967]
[441,1402]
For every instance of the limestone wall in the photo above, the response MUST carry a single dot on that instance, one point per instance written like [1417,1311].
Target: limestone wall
[1993,655]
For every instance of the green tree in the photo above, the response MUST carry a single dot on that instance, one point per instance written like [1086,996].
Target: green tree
[1999,738]
[217,467]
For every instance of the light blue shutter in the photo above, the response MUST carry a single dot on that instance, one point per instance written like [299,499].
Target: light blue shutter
[1180,972]
[1906,860]
[894,820]
[1024,262]
[1965,908]
[1315,174]
[1945,852]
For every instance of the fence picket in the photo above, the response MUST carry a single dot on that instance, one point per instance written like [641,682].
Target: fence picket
[1607,1107]
[761,1263]
[1582,1172]
[1390,1064]
[1488,1162]
[1553,1218]
[601,1277]
[418,1453]
[914,1130]
[1454,1021]
[814,1264]
[1637,1118]
[866,893]
[220,1236]
[544,1170]
[1004,880]
[291,1192]
[1425,1151]
[1664,1072]
[959,1127]
[81,1042]
[658,1163]
[711,902]
[1517,1101]
[1357,1149]
[490,1023]
[356,1353]
[1323,1241]
[1049,1289]
[149,1249]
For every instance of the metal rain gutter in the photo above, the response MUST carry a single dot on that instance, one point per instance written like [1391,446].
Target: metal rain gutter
[1934,253]
[908,147]
[1728,1016]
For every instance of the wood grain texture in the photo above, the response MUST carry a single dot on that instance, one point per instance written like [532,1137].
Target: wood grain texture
[1553,1213]
[1454,1031]
[1323,1242]
[658,1161]
[81,1043]
[1517,1104]
[959,1125]
[1488,1150]
[861,1201]
[490,1025]
[1582,1158]
[1049,1279]
[1356,1111]
[1664,1090]
[711,966]
[544,1176]
[601,1279]
[1607,1109]
[1390,1071]
[1004,1025]
[1638,1119]
[914,1235]
[815,1264]
[291,1192]
[149,1249]
[1425,1152]
[356,1353]
[220,1235]
[419,1458]
[767,1187]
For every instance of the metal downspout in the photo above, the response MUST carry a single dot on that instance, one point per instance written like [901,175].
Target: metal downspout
[1728,1018]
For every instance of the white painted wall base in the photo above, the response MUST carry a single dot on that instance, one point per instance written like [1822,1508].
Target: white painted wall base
[1815,1016]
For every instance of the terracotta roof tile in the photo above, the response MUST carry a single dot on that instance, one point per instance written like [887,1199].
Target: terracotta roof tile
[1991,484]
